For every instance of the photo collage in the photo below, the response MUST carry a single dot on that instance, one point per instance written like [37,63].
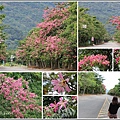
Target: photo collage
[59,59]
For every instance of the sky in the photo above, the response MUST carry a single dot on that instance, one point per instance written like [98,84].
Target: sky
[111,79]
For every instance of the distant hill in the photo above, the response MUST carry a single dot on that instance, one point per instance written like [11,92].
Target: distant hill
[103,11]
[21,17]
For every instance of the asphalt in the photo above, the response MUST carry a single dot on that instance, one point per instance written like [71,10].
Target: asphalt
[110,44]
[94,106]
[24,68]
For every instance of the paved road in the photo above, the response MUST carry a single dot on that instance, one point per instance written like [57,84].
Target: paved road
[109,44]
[94,106]
[4,69]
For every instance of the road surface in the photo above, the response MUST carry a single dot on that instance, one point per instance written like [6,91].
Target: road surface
[94,106]
[110,44]
[23,68]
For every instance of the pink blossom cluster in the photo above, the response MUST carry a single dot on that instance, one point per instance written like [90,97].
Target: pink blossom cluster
[46,39]
[59,9]
[92,61]
[117,60]
[117,55]
[53,43]
[20,98]
[56,106]
[60,85]
[116,20]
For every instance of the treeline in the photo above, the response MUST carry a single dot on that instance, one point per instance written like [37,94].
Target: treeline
[89,27]
[53,43]
[103,11]
[116,90]
[90,83]
[2,36]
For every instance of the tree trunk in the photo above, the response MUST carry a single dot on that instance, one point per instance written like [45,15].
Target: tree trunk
[84,90]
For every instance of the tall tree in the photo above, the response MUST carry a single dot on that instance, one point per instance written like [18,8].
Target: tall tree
[90,83]
[2,35]
[89,27]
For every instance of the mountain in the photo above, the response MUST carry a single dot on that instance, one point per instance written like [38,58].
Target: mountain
[20,18]
[103,12]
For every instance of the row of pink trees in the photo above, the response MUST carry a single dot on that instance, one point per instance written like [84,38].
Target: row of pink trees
[52,44]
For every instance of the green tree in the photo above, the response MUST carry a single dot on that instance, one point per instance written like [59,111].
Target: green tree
[89,26]
[115,90]
[117,36]
[90,83]
[86,80]
[2,36]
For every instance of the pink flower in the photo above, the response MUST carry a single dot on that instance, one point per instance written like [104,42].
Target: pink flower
[116,21]
[54,106]
[117,60]
[31,106]
[32,95]
[92,61]
[40,107]
[62,103]
[60,84]
[74,97]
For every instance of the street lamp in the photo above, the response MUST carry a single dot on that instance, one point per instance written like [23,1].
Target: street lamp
[11,59]
[83,26]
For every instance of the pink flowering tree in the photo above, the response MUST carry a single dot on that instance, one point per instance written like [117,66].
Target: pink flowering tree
[95,59]
[115,20]
[60,83]
[46,46]
[60,107]
[117,59]
[17,100]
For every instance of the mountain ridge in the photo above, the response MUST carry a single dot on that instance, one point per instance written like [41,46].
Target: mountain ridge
[20,18]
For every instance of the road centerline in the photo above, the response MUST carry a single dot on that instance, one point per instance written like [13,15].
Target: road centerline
[103,113]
